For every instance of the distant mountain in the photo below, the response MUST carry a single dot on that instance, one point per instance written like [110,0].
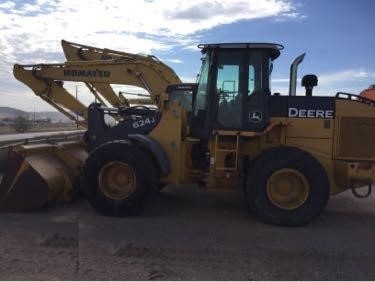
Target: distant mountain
[11,113]
[7,112]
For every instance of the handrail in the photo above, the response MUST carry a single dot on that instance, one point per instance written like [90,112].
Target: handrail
[355,97]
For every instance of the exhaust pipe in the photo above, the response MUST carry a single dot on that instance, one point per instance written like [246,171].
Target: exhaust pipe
[293,74]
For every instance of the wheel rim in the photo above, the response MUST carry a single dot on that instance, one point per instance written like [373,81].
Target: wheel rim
[117,180]
[288,189]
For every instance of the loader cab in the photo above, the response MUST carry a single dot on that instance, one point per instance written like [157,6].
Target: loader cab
[233,88]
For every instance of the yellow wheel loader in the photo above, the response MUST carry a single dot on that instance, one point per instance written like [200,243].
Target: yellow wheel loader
[228,131]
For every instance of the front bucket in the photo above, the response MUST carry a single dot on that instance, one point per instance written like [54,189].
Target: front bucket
[39,174]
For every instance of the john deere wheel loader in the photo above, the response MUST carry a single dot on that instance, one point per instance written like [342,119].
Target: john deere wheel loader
[288,153]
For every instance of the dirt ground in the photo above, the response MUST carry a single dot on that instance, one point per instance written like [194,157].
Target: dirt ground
[188,234]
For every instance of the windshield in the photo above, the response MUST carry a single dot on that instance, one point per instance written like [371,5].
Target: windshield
[202,87]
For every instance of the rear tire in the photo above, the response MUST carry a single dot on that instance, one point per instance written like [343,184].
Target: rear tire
[287,186]
[119,177]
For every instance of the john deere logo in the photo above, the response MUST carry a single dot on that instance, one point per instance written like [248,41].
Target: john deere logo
[310,113]
[255,116]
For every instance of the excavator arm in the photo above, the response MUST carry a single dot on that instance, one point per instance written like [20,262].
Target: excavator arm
[51,91]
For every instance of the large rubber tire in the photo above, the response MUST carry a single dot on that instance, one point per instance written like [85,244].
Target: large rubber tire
[290,174]
[110,160]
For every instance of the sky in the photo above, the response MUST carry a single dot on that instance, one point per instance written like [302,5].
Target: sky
[337,35]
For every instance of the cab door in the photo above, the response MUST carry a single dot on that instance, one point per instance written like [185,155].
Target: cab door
[229,89]
[242,89]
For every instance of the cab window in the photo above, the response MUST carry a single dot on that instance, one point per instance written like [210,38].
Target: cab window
[228,84]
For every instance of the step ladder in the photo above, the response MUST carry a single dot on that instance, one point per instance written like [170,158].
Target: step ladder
[222,148]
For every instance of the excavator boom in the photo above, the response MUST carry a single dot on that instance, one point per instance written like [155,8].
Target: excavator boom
[79,52]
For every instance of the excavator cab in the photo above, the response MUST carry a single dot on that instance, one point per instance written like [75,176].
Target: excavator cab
[234,88]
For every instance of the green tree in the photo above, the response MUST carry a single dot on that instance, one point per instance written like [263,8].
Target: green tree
[21,124]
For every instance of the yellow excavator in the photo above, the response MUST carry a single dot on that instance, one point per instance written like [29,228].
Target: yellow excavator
[47,81]
[146,72]
[227,131]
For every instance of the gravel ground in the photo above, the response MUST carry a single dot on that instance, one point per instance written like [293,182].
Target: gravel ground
[188,234]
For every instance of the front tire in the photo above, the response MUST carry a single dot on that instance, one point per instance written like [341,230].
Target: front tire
[287,186]
[118,178]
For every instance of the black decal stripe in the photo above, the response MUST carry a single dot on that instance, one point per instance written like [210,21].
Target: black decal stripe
[308,107]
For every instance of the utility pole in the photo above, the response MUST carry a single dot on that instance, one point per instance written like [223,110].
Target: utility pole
[77,100]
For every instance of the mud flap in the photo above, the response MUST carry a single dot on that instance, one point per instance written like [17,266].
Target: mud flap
[36,175]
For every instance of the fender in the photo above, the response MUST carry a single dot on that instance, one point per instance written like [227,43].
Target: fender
[154,147]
